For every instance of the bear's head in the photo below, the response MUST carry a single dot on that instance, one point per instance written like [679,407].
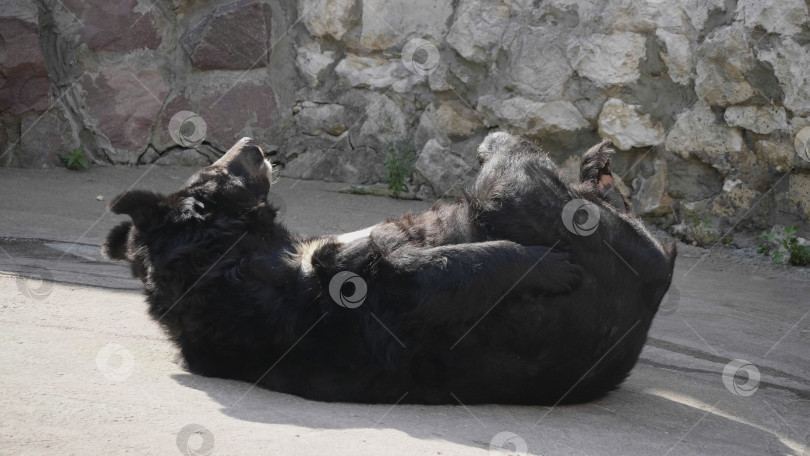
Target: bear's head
[174,238]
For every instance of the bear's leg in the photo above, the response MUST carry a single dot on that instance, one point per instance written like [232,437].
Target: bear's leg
[463,281]
[596,176]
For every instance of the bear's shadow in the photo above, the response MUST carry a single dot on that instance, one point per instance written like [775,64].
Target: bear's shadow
[626,414]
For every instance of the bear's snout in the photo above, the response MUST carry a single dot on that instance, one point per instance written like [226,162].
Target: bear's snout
[246,161]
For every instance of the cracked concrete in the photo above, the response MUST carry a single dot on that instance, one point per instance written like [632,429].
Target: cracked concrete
[84,371]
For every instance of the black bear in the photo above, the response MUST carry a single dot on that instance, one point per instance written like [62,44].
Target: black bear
[527,290]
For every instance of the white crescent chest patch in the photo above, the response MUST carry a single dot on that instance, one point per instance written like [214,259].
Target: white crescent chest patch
[304,252]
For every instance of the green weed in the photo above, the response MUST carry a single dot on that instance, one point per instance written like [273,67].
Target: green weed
[399,164]
[779,242]
[75,160]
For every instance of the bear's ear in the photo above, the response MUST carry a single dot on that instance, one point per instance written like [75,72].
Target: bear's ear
[115,247]
[144,208]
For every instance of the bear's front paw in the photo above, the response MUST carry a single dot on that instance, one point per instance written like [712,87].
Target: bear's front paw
[554,273]
[596,162]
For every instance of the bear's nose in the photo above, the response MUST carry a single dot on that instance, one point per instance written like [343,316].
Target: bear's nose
[244,154]
[246,141]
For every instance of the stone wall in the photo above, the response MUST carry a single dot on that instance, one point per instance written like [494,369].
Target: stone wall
[707,100]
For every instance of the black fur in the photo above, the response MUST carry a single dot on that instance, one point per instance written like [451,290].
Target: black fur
[490,299]
[596,175]
[116,246]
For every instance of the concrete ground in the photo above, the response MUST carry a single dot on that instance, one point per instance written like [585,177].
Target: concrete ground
[84,371]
